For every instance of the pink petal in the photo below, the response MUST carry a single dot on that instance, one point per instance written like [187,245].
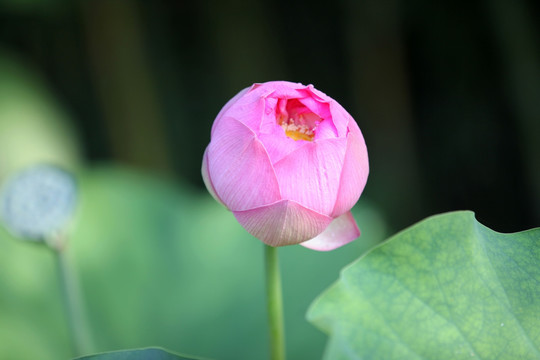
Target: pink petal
[326,130]
[254,105]
[282,223]
[239,168]
[355,171]
[206,178]
[285,89]
[269,121]
[310,175]
[228,105]
[341,118]
[278,145]
[318,93]
[248,110]
[321,108]
[341,231]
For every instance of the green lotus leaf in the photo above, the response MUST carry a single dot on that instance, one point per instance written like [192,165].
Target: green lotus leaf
[446,288]
[137,354]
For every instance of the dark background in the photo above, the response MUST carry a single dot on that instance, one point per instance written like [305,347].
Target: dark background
[447,93]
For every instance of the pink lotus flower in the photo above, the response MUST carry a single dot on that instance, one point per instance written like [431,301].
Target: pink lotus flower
[290,163]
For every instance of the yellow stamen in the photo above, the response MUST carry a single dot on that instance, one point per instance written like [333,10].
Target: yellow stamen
[297,135]
[297,132]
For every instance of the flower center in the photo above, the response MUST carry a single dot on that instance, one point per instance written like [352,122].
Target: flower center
[298,122]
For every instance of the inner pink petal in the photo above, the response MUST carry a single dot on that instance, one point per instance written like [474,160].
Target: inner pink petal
[322,109]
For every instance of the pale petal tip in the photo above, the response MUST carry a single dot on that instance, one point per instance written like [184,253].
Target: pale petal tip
[282,223]
[341,231]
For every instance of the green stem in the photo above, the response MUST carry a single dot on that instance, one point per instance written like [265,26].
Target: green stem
[71,297]
[274,303]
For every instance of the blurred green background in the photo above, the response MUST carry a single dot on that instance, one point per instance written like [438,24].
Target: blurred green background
[162,265]
[124,93]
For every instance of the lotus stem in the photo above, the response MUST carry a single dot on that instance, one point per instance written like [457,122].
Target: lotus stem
[72,304]
[274,303]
